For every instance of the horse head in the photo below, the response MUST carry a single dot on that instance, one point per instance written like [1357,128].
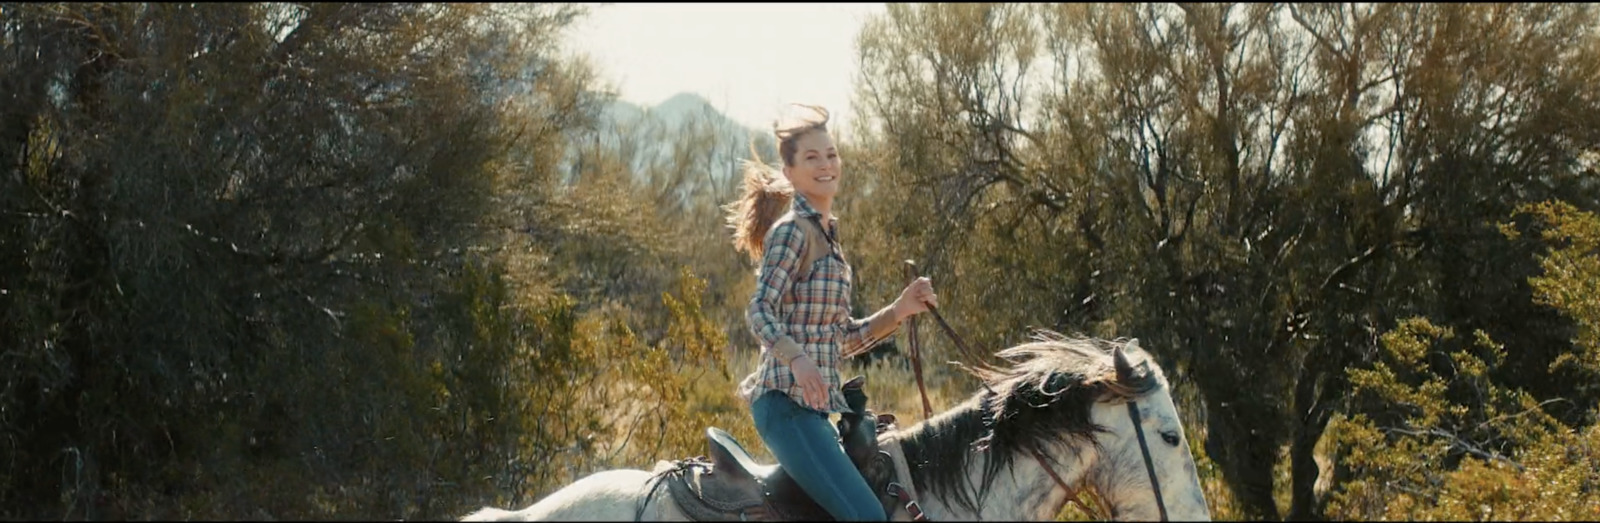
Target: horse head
[1144,470]
[1099,414]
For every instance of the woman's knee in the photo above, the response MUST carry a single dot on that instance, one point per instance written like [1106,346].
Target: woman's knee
[829,473]
[808,447]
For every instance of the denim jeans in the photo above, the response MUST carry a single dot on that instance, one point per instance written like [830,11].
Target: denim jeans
[808,448]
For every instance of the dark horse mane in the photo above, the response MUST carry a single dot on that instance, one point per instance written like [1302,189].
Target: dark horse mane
[1041,400]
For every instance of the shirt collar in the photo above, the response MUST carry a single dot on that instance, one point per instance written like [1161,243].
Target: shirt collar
[803,208]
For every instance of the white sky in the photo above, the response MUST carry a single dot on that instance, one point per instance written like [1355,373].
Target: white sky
[746,59]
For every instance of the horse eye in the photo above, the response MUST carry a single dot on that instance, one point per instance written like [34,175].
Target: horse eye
[1170,437]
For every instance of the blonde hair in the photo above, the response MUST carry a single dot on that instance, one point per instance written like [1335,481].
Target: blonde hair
[767,193]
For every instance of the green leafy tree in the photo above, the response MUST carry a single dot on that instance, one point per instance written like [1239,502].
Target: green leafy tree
[1433,433]
[249,245]
[1570,279]
[1443,441]
[1257,189]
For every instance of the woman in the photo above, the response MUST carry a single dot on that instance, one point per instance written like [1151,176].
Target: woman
[803,320]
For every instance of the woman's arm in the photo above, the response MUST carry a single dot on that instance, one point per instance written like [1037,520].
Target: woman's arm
[863,333]
[780,257]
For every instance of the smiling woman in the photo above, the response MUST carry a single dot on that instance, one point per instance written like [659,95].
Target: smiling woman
[727,53]
[800,312]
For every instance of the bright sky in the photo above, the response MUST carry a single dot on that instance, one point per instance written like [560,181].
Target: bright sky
[746,59]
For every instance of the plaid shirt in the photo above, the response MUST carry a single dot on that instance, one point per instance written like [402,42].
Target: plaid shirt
[815,312]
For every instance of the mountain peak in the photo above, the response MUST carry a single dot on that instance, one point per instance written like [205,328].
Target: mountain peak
[684,103]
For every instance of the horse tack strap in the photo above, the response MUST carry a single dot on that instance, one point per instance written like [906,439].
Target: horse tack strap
[916,354]
[911,505]
[966,351]
[906,492]
[1071,493]
[1052,472]
[1149,464]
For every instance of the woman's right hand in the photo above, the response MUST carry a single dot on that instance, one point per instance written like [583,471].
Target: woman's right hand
[806,375]
[915,299]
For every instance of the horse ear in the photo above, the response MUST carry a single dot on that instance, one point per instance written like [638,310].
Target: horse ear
[1124,369]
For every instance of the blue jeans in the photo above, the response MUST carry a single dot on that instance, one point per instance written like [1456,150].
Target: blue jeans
[808,448]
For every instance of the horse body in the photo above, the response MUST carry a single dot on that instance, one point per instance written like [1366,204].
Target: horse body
[1056,421]
[611,495]
[614,495]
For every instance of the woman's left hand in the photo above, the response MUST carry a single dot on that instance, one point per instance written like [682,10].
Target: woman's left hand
[916,298]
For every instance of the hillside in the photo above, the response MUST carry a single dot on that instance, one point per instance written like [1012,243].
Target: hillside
[650,139]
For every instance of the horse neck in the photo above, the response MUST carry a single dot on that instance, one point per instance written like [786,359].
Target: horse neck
[1022,492]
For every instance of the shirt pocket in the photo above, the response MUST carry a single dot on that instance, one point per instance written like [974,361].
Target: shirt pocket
[835,274]
[822,291]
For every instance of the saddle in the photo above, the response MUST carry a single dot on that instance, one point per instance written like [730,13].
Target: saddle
[732,486]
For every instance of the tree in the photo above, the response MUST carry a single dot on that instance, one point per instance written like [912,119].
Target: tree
[1433,435]
[1257,190]
[245,245]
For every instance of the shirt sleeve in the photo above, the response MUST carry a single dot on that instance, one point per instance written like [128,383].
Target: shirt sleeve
[861,334]
[780,258]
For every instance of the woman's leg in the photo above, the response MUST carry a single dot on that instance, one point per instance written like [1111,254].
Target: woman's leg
[808,448]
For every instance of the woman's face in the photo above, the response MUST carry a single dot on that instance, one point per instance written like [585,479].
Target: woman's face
[816,168]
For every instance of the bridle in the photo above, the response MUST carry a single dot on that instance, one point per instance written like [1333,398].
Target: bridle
[1149,464]
[1072,493]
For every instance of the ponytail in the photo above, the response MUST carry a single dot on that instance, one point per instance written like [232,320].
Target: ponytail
[766,197]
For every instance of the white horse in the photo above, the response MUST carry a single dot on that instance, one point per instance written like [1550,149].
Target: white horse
[1068,413]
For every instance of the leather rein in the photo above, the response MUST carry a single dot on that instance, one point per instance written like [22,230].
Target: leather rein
[927,413]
